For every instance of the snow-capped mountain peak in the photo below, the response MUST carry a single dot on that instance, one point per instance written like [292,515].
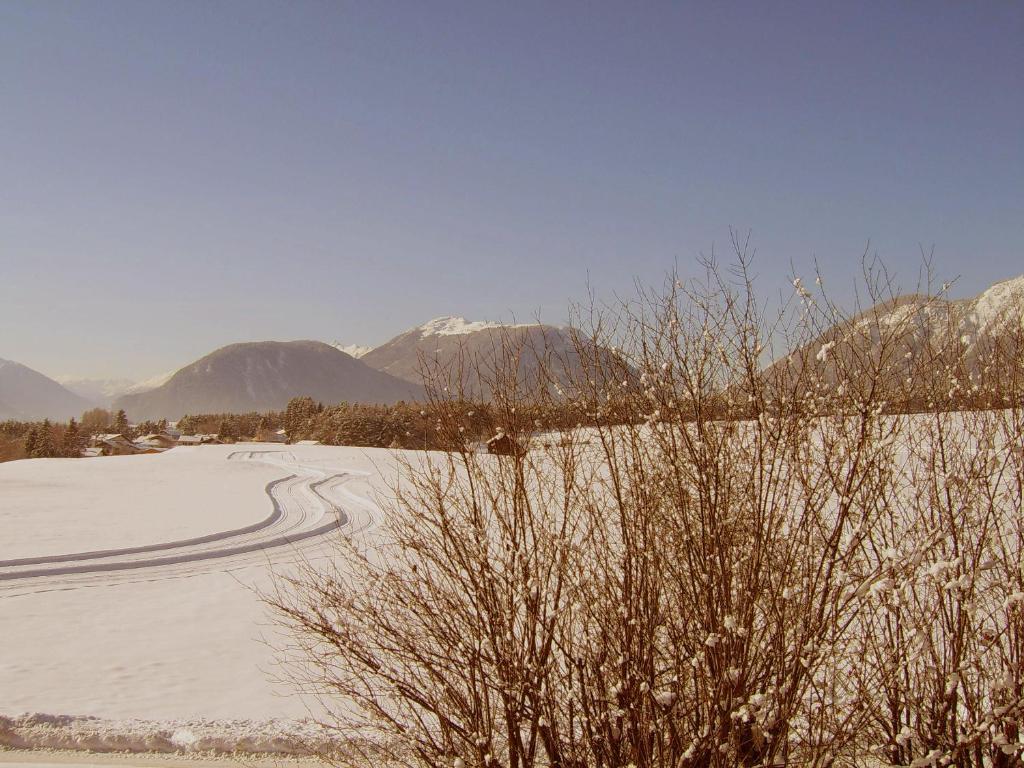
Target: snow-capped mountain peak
[994,304]
[458,326]
[151,383]
[104,391]
[355,350]
[932,328]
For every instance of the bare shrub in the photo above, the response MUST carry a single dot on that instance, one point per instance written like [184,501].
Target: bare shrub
[943,648]
[722,563]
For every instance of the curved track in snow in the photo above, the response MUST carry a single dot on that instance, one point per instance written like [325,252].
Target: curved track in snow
[307,506]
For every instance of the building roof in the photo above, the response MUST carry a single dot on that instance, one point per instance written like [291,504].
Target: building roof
[503,444]
[161,444]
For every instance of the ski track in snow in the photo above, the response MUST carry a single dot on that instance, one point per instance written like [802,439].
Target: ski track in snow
[309,504]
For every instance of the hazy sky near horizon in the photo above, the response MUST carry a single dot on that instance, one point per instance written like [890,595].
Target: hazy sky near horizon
[177,176]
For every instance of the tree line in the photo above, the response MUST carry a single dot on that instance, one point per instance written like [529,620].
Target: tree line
[52,439]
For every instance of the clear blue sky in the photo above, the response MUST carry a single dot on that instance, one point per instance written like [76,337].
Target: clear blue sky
[181,175]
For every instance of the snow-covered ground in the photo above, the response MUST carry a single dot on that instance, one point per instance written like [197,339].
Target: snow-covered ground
[76,759]
[128,590]
[53,506]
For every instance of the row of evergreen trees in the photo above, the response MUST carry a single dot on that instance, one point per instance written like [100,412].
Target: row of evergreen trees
[231,427]
[446,425]
[48,441]
[403,425]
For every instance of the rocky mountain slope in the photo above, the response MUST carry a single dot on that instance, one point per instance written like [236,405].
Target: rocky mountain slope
[452,345]
[921,343]
[263,376]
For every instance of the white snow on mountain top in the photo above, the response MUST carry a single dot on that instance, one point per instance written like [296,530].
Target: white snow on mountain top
[97,390]
[105,391]
[106,386]
[151,383]
[356,350]
[457,326]
[994,304]
[987,313]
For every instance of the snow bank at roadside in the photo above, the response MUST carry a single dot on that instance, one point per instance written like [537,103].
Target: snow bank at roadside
[273,737]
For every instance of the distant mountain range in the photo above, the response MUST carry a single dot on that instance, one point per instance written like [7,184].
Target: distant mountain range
[261,376]
[103,392]
[264,376]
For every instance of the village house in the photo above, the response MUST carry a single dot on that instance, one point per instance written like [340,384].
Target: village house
[161,440]
[503,445]
[113,445]
[199,440]
[272,436]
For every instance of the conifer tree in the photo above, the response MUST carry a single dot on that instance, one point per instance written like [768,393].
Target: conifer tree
[121,423]
[227,432]
[45,448]
[297,416]
[32,443]
[71,443]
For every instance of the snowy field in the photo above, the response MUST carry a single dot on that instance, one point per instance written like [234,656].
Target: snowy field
[67,759]
[127,590]
[49,505]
